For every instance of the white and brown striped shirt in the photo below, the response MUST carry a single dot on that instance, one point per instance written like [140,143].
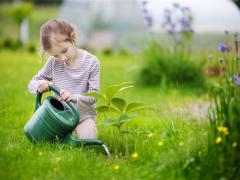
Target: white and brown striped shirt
[84,78]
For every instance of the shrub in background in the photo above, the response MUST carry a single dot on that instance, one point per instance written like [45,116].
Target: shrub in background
[163,66]
[108,51]
[172,65]
[10,43]
[31,47]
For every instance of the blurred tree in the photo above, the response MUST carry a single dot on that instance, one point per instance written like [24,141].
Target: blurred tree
[20,13]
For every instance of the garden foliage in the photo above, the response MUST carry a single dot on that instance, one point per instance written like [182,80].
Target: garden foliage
[225,113]
[118,105]
[172,65]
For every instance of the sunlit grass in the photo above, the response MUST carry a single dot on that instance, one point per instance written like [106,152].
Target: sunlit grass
[159,146]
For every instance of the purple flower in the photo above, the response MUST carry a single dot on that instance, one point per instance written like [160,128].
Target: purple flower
[222,47]
[144,3]
[191,30]
[177,19]
[184,9]
[184,21]
[149,20]
[166,20]
[170,29]
[167,11]
[176,5]
[236,79]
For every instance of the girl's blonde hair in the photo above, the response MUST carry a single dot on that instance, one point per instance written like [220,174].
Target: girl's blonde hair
[56,26]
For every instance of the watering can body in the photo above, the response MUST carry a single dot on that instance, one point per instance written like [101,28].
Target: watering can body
[55,121]
[52,119]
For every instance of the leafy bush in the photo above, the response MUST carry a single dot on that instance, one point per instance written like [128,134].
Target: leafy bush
[31,47]
[10,43]
[108,51]
[172,65]
[163,65]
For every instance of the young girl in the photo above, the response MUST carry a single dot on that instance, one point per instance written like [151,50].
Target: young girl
[75,71]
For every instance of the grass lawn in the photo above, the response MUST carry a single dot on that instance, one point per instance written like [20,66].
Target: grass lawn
[170,149]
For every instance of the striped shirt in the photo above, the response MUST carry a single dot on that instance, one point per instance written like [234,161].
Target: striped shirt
[84,78]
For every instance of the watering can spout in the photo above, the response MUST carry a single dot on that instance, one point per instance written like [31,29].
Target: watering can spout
[85,142]
[106,150]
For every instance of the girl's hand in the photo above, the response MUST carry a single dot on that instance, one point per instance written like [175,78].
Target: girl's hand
[67,96]
[43,86]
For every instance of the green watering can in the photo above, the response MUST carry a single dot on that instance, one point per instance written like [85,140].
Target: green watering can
[54,121]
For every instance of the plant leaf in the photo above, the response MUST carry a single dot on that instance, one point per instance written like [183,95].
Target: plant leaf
[101,109]
[133,107]
[119,103]
[112,90]
[110,122]
[125,118]
[96,95]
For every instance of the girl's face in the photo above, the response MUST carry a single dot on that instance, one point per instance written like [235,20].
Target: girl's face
[63,51]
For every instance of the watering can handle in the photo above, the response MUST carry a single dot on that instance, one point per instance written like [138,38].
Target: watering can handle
[57,91]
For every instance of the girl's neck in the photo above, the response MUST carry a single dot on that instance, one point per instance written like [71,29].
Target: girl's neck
[73,62]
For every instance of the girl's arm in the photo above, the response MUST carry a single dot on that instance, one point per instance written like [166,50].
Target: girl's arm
[93,86]
[44,74]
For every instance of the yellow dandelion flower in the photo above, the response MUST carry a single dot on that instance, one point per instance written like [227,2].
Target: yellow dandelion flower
[58,159]
[218,140]
[40,153]
[116,167]
[135,155]
[220,128]
[160,143]
[234,144]
[150,135]
[224,129]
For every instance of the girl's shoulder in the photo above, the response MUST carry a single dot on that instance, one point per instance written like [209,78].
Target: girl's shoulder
[49,62]
[91,58]
[51,59]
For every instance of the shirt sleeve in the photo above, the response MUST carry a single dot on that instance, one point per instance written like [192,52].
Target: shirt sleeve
[93,86]
[44,74]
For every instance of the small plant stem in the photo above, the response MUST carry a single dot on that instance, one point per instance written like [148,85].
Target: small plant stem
[126,145]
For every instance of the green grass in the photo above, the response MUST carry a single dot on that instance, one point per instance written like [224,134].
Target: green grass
[185,141]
